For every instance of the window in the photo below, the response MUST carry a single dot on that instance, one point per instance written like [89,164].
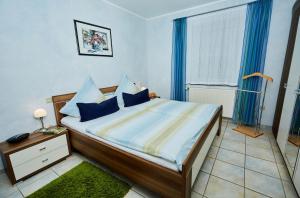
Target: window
[214,47]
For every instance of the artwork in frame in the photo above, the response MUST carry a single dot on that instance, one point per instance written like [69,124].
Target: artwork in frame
[93,40]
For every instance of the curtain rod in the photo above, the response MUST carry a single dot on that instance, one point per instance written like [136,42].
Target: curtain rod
[221,9]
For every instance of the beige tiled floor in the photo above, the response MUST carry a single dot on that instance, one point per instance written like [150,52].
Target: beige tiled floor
[236,166]
[245,167]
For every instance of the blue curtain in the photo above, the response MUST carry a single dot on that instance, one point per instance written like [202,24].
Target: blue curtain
[178,79]
[253,59]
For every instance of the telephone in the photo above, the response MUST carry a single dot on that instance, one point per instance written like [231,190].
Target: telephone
[17,138]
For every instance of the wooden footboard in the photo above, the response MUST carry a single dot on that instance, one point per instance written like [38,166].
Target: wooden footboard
[164,181]
[152,176]
[187,166]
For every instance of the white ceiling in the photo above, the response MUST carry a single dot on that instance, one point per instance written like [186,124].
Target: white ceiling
[153,8]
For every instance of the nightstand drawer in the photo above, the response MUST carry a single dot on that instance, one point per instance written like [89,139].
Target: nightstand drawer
[35,151]
[37,163]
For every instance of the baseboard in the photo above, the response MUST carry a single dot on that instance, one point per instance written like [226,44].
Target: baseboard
[266,127]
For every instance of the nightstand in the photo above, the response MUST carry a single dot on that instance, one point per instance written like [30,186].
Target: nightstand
[38,152]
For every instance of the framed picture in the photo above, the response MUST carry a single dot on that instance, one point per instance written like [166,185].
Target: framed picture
[93,40]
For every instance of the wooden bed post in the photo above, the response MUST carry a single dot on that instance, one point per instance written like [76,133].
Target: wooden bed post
[188,184]
[220,121]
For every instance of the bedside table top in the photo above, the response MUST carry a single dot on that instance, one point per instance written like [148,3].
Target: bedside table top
[34,138]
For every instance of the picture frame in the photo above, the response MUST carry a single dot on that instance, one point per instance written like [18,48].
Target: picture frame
[93,40]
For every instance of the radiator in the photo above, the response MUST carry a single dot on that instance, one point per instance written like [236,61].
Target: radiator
[222,95]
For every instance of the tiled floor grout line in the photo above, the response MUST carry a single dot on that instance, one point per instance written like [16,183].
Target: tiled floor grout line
[210,173]
[249,144]
[229,181]
[136,192]
[264,174]
[290,164]
[20,191]
[275,162]
[37,180]
[215,158]
[267,176]
[248,168]
[261,158]
[241,185]
[17,190]
[249,155]
[55,172]
[278,171]
[245,155]
[197,193]
[229,163]
[231,150]
[257,192]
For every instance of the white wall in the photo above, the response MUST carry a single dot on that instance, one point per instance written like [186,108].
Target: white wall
[159,48]
[39,55]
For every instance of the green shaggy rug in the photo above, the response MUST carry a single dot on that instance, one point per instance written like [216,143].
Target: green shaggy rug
[85,180]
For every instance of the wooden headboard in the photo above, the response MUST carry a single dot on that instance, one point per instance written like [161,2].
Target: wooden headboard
[60,100]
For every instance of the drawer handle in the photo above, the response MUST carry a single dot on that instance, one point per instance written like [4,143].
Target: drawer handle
[45,160]
[41,149]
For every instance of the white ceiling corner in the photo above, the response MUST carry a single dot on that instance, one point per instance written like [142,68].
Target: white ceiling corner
[153,8]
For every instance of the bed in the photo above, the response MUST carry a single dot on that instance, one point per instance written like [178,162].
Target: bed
[162,175]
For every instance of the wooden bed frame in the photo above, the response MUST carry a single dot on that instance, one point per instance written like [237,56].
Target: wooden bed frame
[164,181]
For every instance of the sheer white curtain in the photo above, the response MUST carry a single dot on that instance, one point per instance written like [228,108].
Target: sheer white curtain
[214,47]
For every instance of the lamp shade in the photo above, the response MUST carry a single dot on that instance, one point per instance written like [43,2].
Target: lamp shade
[39,113]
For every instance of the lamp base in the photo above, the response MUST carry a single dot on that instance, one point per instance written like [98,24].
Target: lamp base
[43,130]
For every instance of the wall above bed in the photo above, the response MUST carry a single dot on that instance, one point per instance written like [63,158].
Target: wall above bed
[39,55]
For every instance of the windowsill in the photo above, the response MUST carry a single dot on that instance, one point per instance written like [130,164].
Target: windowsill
[212,86]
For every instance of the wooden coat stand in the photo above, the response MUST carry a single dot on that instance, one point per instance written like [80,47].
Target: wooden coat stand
[253,131]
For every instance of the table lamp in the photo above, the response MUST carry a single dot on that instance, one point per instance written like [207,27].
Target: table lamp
[40,114]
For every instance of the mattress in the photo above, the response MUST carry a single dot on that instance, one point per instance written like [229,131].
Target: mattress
[81,127]
[163,128]
[175,127]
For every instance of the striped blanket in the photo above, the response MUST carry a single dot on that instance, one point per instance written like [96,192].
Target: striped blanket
[162,128]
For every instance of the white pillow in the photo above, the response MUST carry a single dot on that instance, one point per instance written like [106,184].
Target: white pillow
[125,86]
[88,93]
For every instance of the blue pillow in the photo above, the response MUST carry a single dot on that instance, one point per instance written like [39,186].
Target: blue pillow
[90,111]
[88,93]
[125,86]
[135,99]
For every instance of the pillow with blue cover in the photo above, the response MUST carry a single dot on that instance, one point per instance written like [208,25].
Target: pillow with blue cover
[125,86]
[135,99]
[90,111]
[88,93]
